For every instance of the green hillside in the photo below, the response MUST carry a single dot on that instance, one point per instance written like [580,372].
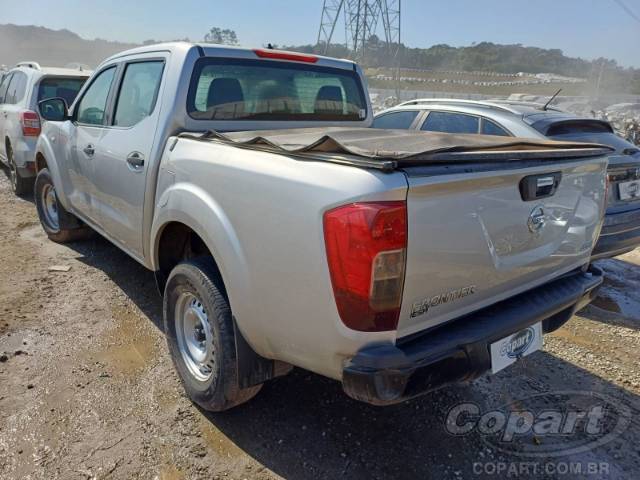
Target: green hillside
[491,57]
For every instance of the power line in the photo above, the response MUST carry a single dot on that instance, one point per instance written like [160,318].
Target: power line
[361,20]
[628,10]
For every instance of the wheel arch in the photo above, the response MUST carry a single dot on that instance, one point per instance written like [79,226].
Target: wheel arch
[177,241]
[174,242]
[45,158]
[184,208]
[41,162]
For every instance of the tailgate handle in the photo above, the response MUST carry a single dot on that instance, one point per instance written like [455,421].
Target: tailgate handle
[535,187]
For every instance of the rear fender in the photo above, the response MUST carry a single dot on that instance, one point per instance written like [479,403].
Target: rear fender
[23,153]
[216,231]
[190,205]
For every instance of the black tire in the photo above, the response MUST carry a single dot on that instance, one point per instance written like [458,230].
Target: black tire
[199,278]
[58,233]
[20,185]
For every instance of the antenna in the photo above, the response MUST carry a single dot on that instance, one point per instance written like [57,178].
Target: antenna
[546,105]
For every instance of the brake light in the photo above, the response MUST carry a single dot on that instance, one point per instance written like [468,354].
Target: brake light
[366,250]
[280,55]
[30,123]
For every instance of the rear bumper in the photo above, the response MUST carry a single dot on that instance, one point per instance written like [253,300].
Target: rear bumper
[24,156]
[457,351]
[620,234]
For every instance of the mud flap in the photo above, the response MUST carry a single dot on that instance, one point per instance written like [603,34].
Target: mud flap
[254,369]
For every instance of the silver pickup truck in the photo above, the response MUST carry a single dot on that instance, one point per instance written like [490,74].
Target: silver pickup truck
[393,261]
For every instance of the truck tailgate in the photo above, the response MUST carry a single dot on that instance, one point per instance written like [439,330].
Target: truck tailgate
[478,237]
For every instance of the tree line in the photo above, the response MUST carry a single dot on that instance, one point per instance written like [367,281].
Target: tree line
[483,56]
[489,57]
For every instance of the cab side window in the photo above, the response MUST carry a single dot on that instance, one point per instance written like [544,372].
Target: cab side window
[138,92]
[93,104]
[402,120]
[449,122]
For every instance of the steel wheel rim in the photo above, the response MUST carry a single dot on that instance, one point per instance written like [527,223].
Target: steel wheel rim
[50,206]
[193,333]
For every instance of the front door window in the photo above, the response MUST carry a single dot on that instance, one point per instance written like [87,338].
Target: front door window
[93,105]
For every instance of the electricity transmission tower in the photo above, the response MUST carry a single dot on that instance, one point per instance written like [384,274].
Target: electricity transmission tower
[361,19]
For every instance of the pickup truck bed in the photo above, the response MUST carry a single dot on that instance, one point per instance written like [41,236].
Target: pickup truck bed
[467,225]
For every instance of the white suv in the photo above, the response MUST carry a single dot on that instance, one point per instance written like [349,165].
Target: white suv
[21,89]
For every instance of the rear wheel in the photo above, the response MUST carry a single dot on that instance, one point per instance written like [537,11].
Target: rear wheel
[19,184]
[200,335]
[53,216]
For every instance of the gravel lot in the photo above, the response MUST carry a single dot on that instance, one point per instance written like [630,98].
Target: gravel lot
[87,389]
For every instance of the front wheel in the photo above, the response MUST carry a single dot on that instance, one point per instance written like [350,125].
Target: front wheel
[53,216]
[200,334]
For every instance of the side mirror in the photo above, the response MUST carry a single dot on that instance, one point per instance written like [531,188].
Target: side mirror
[54,109]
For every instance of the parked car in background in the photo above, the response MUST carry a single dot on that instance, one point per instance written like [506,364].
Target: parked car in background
[621,229]
[20,91]
[277,245]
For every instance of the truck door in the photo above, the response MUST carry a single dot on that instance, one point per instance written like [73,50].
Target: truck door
[122,162]
[90,120]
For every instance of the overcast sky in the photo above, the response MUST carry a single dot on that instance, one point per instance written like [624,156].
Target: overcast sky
[584,28]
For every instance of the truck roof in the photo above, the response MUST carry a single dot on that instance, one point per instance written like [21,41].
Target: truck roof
[210,49]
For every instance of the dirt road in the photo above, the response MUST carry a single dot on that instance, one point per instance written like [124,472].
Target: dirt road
[87,389]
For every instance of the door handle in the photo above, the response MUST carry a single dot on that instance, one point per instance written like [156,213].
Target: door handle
[135,160]
[89,150]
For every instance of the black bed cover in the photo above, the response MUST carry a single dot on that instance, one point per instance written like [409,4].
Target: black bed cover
[391,149]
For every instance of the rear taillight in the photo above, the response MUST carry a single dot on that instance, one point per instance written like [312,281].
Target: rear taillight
[30,123]
[366,249]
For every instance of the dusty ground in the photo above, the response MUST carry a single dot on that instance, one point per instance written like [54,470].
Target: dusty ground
[87,389]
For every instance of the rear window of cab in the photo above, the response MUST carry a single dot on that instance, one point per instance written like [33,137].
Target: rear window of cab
[242,89]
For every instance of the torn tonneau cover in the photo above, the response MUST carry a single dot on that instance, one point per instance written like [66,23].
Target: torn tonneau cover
[390,149]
